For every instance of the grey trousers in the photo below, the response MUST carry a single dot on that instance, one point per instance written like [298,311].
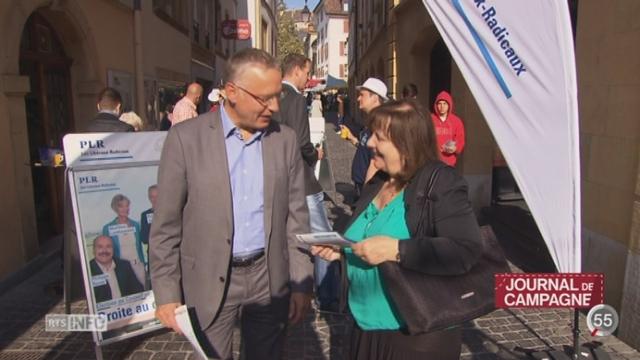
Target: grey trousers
[263,320]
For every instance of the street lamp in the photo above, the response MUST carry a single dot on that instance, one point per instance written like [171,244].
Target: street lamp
[306,14]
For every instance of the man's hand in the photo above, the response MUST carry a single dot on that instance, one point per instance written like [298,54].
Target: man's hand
[320,153]
[299,304]
[166,313]
[377,249]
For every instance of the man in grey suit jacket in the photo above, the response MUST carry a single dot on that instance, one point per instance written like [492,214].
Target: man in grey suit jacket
[231,199]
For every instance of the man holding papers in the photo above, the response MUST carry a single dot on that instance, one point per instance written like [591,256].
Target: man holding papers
[230,201]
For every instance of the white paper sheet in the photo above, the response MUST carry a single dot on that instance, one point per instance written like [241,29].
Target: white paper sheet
[325,238]
[184,322]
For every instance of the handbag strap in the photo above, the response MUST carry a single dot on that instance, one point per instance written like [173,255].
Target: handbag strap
[432,182]
[427,200]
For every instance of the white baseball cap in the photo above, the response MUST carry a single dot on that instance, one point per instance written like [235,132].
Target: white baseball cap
[214,95]
[375,86]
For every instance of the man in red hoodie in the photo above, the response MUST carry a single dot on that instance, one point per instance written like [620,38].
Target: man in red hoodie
[449,129]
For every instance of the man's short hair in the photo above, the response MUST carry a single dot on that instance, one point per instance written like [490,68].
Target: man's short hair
[152,187]
[109,99]
[293,61]
[239,61]
[95,240]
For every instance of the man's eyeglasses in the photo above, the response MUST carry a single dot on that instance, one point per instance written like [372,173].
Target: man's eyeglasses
[262,101]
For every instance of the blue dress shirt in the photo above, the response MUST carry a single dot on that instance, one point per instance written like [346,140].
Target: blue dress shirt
[247,187]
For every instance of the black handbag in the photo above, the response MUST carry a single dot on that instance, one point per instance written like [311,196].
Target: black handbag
[434,302]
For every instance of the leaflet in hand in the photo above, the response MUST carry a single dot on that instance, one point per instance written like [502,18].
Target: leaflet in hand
[184,322]
[325,238]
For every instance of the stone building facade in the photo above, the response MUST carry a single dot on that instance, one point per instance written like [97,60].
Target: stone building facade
[56,56]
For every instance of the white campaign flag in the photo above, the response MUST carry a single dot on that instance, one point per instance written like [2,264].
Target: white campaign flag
[518,60]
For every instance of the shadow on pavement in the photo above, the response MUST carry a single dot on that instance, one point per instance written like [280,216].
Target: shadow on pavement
[340,326]
[26,304]
[302,341]
[519,236]
[484,347]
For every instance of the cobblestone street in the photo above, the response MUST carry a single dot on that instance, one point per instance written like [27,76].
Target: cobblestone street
[498,335]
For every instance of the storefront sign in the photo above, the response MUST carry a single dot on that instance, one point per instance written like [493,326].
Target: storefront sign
[236,29]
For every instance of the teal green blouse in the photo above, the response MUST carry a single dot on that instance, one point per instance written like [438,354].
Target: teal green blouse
[369,302]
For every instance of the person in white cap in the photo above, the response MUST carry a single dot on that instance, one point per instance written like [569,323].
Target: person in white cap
[371,94]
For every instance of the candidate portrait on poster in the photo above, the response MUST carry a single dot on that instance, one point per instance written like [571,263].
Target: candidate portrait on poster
[110,203]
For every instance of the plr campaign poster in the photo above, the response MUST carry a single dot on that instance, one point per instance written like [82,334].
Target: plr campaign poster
[115,213]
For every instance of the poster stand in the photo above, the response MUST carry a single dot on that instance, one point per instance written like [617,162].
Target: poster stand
[111,173]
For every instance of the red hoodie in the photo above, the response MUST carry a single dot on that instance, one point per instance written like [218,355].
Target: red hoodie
[449,129]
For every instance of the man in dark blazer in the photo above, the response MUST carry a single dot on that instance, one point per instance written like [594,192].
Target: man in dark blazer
[146,217]
[230,202]
[293,113]
[110,287]
[109,110]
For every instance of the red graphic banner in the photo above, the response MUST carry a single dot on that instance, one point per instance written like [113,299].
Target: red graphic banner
[542,290]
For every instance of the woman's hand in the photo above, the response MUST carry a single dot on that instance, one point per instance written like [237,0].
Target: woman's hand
[377,249]
[326,252]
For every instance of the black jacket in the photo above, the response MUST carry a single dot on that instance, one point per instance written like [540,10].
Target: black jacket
[145,226]
[457,244]
[293,113]
[107,122]
[127,280]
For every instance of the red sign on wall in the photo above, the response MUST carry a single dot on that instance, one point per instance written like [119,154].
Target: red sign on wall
[236,29]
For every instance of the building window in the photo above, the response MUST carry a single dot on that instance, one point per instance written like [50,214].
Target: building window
[573,12]
[227,42]
[345,26]
[217,25]
[207,29]
[202,12]
[174,12]
[343,48]
[195,23]
[264,35]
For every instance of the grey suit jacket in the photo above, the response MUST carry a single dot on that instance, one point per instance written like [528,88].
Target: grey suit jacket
[293,113]
[192,230]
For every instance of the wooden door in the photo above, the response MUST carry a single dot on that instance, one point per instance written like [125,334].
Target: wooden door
[49,117]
